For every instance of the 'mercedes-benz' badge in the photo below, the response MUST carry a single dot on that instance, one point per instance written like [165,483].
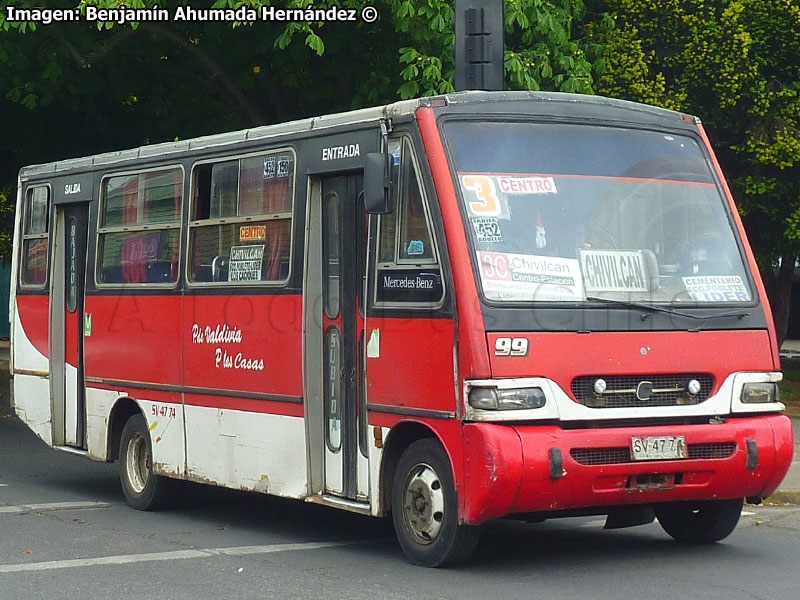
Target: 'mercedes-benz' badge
[644,390]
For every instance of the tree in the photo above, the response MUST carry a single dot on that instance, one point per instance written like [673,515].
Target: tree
[6,224]
[733,63]
[72,89]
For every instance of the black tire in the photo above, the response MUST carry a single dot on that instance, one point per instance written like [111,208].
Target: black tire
[699,522]
[144,490]
[425,508]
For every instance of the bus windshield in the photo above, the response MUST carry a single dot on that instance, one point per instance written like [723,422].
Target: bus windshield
[574,213]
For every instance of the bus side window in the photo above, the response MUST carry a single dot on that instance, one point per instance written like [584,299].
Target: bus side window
[408,271]
[139,229]
[415,238]
[35,244]
[241,224]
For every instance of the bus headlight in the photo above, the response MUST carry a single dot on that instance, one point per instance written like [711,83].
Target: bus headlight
[491,398]
[759,393]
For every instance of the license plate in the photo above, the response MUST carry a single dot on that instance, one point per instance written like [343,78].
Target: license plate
[662,447]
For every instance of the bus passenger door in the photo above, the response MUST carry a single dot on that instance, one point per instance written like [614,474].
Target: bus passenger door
[339,330]
[67,325]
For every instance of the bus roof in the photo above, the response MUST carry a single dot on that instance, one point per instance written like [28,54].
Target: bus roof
[597,105]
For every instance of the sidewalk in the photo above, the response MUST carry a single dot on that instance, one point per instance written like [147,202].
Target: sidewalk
[790,349]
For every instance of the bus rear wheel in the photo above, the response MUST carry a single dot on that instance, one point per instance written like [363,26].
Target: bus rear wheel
[144,490]
[699,522]
[425,508]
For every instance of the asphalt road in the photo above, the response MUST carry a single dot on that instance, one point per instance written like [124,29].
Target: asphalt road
[225,544]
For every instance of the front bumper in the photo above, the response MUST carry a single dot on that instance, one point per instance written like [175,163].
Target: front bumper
[514,468]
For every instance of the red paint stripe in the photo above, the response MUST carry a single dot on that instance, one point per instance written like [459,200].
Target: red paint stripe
[288,409]
[473,354]
[751,259]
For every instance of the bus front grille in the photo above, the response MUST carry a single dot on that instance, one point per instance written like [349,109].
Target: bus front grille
[633,391]
[620,455]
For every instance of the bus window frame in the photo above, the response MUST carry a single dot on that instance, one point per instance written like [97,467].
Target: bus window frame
[27,236]
[151,227]
[197,223]
[398,230]
[406,264]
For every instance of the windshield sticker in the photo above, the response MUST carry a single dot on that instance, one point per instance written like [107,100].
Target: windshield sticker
[245,263]
[613,271]
[270,167]
[527,185]
[525,277]
[487,230]
[415,248]
[729,288]
[487,203]
[252,233]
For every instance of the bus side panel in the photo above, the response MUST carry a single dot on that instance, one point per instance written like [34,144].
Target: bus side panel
[30,332]
[244,400]
[244,343]
[31,377]
[32,404]
[133,338]
[131,349]
[246,450]
[415,368]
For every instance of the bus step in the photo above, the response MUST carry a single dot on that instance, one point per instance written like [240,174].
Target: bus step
[72,450]
[362,508]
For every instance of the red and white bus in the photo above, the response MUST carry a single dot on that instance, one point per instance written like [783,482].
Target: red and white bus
[449,309]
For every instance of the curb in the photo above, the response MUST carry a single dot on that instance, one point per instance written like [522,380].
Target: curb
[782,498]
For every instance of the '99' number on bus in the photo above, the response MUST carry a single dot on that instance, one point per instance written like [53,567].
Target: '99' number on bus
[511,346]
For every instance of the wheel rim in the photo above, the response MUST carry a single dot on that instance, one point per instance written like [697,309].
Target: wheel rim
[423,503]
[137,463]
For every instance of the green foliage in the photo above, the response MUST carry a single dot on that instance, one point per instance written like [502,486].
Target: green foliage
[735,64]
[6,224]
[541,49]
[72,89]
[100,87]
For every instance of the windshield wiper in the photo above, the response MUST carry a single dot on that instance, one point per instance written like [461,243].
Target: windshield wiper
[664,309]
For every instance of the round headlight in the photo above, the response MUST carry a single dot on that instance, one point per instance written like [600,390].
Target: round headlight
[694,387]
[484,398]
[599,386]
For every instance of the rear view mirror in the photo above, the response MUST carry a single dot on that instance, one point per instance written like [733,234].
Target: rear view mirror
[377,184]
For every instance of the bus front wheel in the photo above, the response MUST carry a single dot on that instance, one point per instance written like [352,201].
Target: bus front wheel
[425,508]
[699,522]
[144,490]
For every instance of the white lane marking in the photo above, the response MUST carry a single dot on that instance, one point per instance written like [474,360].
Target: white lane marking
[125,559]
[51,506]
[3,485]
[747,514]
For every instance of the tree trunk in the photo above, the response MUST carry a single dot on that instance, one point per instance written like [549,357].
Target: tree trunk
[779,291]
